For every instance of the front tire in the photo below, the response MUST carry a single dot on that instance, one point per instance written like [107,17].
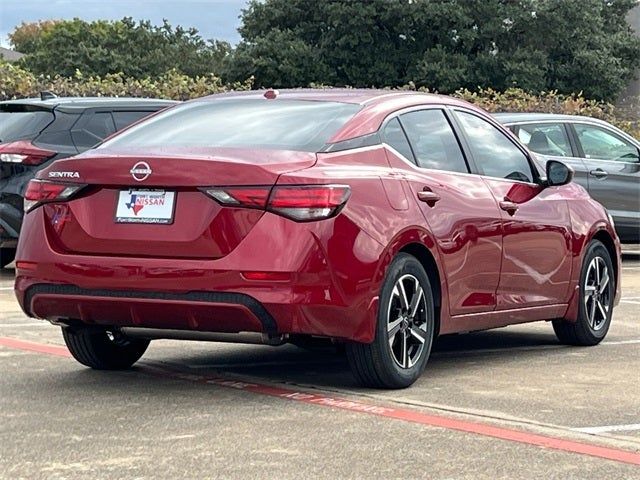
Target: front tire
[597,291]
[404,332]
[103,350]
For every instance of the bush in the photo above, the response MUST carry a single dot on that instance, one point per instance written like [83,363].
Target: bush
[16,82]
[517,100]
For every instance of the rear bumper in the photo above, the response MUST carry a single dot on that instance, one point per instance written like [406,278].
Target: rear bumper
[325,286]
[201,311]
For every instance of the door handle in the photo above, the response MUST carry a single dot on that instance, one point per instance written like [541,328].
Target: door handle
[508,206]
[598,173]
[428,196]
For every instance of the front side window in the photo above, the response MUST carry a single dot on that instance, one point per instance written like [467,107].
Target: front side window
[433,141]
[240,123]
[546,139]
[493,152]
[598,143]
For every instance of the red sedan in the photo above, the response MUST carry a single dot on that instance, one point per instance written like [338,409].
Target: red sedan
[376,219]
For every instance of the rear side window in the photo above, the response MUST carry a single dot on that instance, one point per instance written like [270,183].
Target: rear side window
[124,119]
[493,152]
[546,138]
[433,141]
[394,137]
[23,125]
[98,126]
[244,123]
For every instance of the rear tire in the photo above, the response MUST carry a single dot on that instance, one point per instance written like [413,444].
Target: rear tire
[7,255]
[596,294]
[404,332]
[103,350]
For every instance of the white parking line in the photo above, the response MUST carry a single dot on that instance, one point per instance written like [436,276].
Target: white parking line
[609,428]
[6,288]
[26,324]
[525,348]
[621,342]
[633,302]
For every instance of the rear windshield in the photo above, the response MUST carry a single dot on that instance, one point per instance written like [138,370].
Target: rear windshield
[241,123]
[19,125]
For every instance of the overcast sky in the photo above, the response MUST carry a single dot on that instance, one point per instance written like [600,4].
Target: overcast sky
[213,18]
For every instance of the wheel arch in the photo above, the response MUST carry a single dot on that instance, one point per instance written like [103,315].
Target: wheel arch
[420,243]
[604,236]
[428,262]
[607,240]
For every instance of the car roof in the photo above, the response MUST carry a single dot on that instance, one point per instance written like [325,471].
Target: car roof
[508,118]
[343,95]
[74,103]
[520,118]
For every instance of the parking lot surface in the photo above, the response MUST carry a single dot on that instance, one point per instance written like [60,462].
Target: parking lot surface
[507,403]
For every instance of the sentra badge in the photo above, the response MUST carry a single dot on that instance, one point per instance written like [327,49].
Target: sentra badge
[64,175]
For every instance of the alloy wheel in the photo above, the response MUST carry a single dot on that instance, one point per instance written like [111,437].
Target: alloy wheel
[407,321]
[597,293]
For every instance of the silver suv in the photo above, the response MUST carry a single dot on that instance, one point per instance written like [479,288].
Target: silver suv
[605,159]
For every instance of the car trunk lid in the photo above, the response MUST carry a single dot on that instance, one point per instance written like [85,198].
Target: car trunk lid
[150,204]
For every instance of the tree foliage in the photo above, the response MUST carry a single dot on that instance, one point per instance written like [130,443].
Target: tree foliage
[569,46]
[444,45]
[136,49]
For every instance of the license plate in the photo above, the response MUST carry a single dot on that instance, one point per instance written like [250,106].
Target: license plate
[145,206]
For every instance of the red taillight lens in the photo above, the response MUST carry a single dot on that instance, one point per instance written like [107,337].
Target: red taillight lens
[308,202]
[24,153]
[248,197]
[302,203]
[40,191]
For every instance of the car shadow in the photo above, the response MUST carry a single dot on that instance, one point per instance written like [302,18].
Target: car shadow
[328,368]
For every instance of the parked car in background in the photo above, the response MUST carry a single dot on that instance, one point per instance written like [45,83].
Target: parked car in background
[605,159]
[36,131]
[378,219]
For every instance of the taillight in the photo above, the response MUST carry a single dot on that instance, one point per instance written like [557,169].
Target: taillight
[247,197]
[302,203]
[24,152]
[41,191]
[308,202]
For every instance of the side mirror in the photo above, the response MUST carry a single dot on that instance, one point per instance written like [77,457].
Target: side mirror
[558,173]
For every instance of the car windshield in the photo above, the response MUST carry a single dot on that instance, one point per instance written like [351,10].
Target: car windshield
[242,123]
[21,125]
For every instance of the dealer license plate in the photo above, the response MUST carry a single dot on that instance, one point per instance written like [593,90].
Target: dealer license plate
[145,206]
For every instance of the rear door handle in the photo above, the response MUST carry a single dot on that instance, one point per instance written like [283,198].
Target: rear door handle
[598,173]
[508,206]
[428,196]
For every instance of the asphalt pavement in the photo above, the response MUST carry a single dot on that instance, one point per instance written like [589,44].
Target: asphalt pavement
[507,403]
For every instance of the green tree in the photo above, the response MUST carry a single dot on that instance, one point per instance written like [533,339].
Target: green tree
[569,45]
[137,49]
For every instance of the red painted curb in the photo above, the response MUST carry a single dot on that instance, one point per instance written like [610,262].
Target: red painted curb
[34,347]
[554,443]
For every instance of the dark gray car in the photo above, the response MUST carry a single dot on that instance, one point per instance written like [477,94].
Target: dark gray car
[605,159]
[37,131]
